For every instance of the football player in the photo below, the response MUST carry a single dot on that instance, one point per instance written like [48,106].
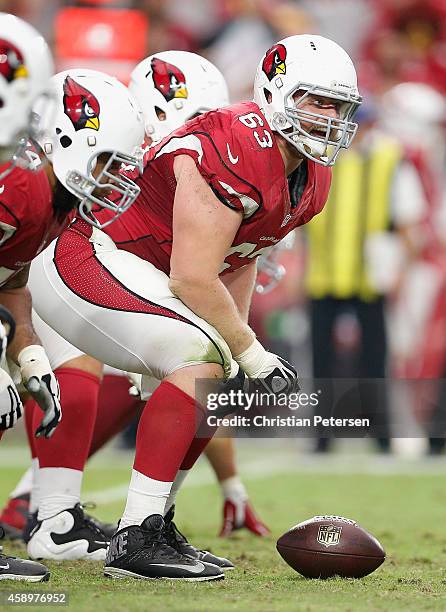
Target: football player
[100,127]
[204,90]
[165,290]
[25,69]
[24,74]
[200,88]
[58,469]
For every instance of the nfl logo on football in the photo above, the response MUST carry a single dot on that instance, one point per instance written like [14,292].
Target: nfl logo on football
[329,535]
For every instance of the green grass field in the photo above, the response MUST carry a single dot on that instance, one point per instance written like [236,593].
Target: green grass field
[404,505]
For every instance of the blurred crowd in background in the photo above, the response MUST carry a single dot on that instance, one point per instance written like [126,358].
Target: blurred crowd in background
[365,290]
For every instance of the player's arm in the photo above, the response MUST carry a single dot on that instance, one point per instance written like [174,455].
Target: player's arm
[15,295]
[26,350]
[240,285]
[203,232]
[11,408]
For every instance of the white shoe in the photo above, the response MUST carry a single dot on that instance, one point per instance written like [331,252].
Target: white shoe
[66,536]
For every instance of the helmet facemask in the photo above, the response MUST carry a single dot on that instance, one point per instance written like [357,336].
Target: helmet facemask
[333,134]
[109,189]
[96,136]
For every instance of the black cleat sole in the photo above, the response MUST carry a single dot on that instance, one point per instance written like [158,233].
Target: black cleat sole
[117,573]
[21,578]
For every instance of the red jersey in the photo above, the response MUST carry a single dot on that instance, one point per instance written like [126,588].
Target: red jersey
[238,157]
[27,220]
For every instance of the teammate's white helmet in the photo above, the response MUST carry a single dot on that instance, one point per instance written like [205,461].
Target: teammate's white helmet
[95,114]
[308,64]
[174,86]
[25,69]
[413,113]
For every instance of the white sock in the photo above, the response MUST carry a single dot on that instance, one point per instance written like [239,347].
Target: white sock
[146,496]
[24,485]
[35,491]
[60,489]
[233,489]
[179,479]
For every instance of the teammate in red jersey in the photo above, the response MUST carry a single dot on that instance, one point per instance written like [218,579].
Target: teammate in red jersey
[25,69]
[24,75]
[36,206]
[34,209]
[170,298]
[58,465]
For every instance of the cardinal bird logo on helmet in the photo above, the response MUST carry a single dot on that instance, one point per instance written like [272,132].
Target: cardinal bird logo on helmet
[168,79]
[12,65]
[274,61]
[80,105]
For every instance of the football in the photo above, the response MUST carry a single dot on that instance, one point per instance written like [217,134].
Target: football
[327,546]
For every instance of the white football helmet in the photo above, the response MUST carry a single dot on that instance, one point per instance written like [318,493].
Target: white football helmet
[95,114]
[310,65]
[414,113]
[174,86]
[25,69]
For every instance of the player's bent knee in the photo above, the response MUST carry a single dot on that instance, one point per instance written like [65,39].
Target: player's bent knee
[186,378]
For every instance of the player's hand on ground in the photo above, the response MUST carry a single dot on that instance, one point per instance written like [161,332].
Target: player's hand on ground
[41,383]
[11,408]
[274,373]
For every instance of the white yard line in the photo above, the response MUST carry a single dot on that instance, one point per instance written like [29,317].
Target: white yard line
[256,461]
[253,470]
[285,464]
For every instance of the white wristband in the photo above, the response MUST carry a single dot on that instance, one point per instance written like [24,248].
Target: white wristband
[33,352]
[252,359]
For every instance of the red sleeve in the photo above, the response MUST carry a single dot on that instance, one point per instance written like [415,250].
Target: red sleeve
[212,142]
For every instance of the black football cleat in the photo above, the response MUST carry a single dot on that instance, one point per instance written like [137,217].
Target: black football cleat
[179,542]
[13,568]
[68,535]
[142,552]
